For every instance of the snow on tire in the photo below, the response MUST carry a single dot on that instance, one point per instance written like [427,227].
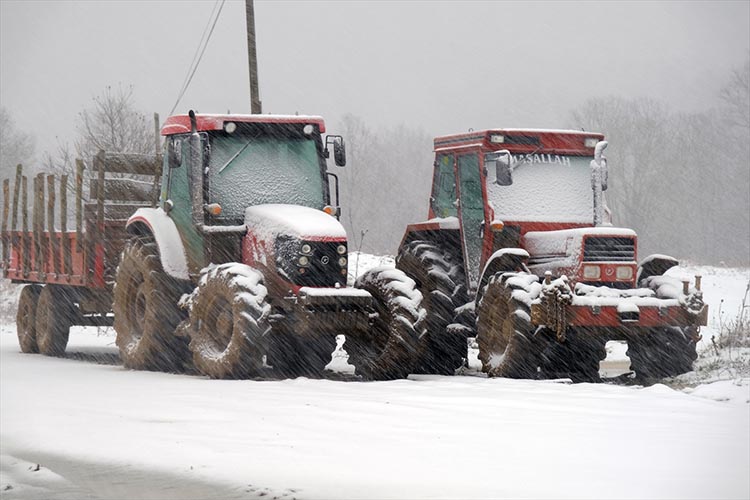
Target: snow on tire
[390,349]
[228,324]
[438,280]
[145,309]
[504,331]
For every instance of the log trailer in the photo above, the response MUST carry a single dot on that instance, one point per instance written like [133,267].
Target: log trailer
[519,252]
[224,254]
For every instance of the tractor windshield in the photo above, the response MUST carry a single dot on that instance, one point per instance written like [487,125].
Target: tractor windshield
[545,188]
[265,164]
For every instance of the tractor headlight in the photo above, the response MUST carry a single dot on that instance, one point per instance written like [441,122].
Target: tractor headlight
[341,249]
[342,261]
[592,272]
[303,261]
[624,272]
[306,248]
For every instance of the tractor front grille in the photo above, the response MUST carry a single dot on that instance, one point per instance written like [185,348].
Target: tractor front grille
[607,249]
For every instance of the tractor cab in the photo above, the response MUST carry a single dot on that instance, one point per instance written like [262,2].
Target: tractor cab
[219,167]
[511,188]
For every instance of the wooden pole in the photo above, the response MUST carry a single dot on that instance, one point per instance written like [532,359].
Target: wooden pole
[67,261]
[25,225]
[252,57]
[5,235]
[53,247]
[16,189]
[79,205]
[39,246]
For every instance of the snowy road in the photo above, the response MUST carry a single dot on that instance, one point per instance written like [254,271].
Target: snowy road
[100,431]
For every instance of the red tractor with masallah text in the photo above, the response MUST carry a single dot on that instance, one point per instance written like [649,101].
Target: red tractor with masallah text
[519,252]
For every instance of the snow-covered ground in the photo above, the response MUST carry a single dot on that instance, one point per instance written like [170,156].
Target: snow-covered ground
[84,427]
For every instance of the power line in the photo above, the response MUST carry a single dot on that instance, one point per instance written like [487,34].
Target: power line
[194,64]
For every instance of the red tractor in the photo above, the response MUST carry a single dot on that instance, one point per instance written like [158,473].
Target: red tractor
[229,255]
[519,252]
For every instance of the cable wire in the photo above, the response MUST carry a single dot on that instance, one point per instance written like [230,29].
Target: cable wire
[194,64]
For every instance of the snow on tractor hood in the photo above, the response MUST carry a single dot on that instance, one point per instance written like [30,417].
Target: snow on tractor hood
[568,241]
[305,223]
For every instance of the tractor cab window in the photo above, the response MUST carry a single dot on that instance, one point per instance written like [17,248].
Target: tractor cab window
[262,163]
[444,187]
[544,188]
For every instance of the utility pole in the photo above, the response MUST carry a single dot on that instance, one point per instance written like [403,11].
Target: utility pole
[252,58]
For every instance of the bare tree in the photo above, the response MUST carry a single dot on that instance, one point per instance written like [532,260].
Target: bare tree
[15,146]
[113,124]
[736,97]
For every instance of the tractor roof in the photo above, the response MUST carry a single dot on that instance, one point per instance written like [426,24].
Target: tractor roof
[180,124]
[570,142]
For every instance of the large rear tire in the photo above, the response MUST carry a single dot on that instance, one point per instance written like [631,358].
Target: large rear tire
[438,279]
[146,311]
[229,329]
[505,334]
[26,318]
[55,313]
[390,349]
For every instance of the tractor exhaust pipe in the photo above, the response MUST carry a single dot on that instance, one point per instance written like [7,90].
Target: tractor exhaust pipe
[599,181]
[196,172]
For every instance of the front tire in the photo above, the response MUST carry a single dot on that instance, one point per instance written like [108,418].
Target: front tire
[505,334]
[146,311]
[26,318]
[228,327]
[390,349]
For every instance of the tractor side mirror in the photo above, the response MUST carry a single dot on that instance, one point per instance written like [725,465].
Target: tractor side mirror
[174,153]
[339,149]
[503,163]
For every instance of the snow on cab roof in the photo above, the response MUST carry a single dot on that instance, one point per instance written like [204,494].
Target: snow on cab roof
[180,124]
[545,140]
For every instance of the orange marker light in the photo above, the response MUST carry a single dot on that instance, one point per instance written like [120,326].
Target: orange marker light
[497,226]
[212,209]
[329,210]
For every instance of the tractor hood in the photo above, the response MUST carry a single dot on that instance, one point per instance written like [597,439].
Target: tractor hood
[305,223]
[564,248]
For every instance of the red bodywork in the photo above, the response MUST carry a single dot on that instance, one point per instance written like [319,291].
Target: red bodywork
[180,124]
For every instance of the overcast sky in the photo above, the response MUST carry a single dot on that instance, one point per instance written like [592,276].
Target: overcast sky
[440,66]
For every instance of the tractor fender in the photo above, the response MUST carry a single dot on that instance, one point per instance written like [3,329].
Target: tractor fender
[655,265]
[156,222]
[505,259]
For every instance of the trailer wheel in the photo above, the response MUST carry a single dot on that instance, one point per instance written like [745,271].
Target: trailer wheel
[54,316]
[146,311]
[662,352]
[390,348]
[505,334]
[438,279]
[26,318]
[228,326]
